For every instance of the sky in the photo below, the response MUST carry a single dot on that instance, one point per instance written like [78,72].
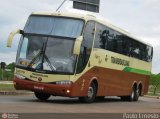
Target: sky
[139,17]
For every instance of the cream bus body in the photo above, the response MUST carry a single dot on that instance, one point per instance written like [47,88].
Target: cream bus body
[105,73]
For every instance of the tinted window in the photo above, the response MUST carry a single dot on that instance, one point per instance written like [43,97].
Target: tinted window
[112,40]
[149,53]
[135,50]
[109,39]
[101,36]
[124,45]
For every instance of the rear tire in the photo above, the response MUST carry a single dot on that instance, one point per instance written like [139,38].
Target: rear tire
[42,96]
[91,94]
[134,95]
[137,94]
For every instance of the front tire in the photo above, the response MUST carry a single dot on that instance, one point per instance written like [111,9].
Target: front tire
[91,94]
[42,96]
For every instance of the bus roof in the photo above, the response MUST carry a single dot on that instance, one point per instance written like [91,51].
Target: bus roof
[88,17]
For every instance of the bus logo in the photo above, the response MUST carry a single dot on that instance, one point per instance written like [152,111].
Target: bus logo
[120,61]
[4,116]
[39,79]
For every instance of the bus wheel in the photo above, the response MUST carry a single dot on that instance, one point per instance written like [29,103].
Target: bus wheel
[134,95]
[42,96]
[137,94]
[91,94]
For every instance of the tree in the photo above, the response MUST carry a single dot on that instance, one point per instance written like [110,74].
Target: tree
[11,66]
[8,73]
[155,82]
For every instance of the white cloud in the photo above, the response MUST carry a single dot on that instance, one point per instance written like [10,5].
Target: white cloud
[151,40]
[8,57]
[139,17]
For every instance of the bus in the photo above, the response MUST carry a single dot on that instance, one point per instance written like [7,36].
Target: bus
[77,55]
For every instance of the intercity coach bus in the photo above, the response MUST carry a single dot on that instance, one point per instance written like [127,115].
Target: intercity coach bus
[74,55]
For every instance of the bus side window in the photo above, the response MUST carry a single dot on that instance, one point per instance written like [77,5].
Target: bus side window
[149,53]
[143,52]
[101,36]
[112,40]
[135,50]
[86,46]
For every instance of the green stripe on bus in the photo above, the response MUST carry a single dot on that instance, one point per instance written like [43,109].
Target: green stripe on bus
[138,71]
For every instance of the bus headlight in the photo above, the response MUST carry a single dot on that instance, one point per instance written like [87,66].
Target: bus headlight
[19,76]
[64,83]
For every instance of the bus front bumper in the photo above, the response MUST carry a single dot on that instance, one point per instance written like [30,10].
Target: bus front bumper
[53,89]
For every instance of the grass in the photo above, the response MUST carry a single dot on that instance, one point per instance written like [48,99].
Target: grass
[151,90]
[7,87]
[151,94]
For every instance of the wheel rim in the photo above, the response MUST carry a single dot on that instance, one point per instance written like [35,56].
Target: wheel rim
[132,95]
[90,92]
[138,92]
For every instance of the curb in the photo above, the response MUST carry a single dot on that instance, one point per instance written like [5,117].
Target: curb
[6,82]
[148,96]
[15,93]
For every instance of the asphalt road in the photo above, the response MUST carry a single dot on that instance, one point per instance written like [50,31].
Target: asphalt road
[29,104]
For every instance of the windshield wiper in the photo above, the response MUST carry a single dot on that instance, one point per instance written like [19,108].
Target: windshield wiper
[36,57]
[53,68]
[43,55]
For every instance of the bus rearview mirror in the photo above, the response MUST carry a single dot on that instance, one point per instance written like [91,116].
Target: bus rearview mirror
[11,36]
[77,45]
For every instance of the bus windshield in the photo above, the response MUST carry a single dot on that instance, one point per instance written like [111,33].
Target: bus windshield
[51,50]
[54,26]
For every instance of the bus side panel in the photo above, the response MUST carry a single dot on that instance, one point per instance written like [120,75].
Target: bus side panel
[120,83]
[145,88]
[110,82]
[80,87]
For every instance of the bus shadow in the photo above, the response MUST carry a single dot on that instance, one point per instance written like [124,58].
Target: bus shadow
[76,101]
